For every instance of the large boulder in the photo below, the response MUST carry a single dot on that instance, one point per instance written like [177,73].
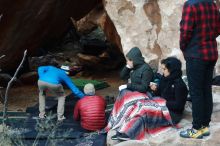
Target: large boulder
[151,25]
[26,24]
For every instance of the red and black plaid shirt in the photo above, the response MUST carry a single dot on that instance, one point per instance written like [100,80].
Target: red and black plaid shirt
[199,27]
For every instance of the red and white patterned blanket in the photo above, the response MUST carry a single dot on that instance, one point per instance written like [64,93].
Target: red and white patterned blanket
[138,116]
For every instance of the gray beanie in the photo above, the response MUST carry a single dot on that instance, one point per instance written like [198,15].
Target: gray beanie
[89,89]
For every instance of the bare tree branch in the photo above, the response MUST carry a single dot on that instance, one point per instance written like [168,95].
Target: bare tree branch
[2,55]
[8,87]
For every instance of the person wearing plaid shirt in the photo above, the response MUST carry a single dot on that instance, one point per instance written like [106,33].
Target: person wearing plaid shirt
[199,27]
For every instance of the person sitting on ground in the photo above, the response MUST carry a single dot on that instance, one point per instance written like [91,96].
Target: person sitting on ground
[140,114]
[137,72]
[91,110]
[51,79]
[172,88]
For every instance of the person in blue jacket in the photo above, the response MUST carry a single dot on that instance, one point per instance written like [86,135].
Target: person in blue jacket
[51,79]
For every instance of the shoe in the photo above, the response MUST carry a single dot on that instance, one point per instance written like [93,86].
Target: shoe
[115,137]
[123,137]
[205,131]
[60,119]
[192,133]
[42,116]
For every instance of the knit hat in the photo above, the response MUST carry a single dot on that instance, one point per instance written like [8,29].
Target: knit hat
[89,89]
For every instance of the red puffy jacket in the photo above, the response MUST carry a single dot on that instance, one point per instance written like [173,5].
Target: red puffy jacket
[91,111]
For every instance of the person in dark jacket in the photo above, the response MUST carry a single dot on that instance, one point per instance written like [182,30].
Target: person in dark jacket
[136,71]
[172,88]
[51,79]
[199,27]
[91,110]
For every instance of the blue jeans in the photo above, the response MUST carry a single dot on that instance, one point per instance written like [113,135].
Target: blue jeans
[200,74]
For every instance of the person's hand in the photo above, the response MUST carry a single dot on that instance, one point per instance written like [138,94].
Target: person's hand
[122,87]
[153,86]
[128,66]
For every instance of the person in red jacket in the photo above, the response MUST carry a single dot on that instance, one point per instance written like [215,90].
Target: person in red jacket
[91,110]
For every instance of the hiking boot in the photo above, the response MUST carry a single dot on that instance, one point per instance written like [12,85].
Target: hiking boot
[115,137]
[123,137]
[191,133]
[205,131]
[120,136]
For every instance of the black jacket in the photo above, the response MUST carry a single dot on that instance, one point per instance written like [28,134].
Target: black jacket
[174,90]
[141,75]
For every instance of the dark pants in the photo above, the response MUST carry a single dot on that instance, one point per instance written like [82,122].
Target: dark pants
[200,74]
[176,118]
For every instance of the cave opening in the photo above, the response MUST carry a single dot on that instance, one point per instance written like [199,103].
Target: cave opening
[88,53]
[86,44]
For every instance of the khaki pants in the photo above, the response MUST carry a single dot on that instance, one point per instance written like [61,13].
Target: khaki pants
[56,90]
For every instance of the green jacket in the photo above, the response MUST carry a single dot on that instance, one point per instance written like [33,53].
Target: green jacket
[141,75]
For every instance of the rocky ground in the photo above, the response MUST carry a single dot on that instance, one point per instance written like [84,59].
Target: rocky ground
[24,96]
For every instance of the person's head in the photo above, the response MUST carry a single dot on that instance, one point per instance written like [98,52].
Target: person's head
[134,57]
[170,66]
[89,89]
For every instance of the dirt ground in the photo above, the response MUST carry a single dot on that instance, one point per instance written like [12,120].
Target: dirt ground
[23,96]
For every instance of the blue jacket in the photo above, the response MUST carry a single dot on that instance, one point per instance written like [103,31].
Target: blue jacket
[55,75]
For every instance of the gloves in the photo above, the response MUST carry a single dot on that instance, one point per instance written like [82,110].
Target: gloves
[122,87]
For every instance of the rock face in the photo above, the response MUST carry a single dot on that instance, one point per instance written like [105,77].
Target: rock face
[148,25]
[25,24]
[151,25]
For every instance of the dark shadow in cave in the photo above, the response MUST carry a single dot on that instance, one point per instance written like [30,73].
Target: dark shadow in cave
[92,51]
